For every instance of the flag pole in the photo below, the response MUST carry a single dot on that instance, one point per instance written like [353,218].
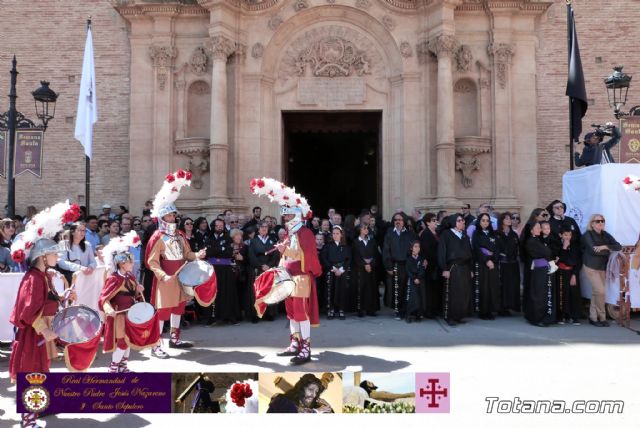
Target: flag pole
[569,28]
[87,177]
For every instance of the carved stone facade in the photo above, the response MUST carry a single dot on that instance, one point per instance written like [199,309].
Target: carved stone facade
[337,56]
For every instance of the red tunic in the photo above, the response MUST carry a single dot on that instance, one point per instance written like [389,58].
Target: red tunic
[32,303]
[306,308]
[114,333]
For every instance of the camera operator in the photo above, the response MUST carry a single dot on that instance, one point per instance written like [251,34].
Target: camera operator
[595,151]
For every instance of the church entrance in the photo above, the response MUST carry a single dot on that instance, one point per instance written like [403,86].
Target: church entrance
[333,159]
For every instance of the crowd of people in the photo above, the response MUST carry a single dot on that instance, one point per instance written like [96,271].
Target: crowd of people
[420,265]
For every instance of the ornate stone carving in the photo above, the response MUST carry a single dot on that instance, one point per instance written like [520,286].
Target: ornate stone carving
[501,53]
[443,45]
[274,22]
[404,4]
[388,22]
[484,79]
[467,151]
[199,88]
[220,47]
[464,58]
[331,1]
[298,5]
[180,84]
[363,4]
[257,50]
[332,57]
[331,51]
[254,5]
[405,50]
[162,57]
[466,164]
[463,86]
[199,61]
[240,53]
[197,150]
[423,51]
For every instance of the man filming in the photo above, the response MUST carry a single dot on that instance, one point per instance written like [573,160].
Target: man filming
[595,151]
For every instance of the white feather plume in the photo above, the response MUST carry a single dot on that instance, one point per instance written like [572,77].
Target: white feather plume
[279,193]
[118,245]
[170,190]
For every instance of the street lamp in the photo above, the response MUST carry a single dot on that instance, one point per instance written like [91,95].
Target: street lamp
[617,87]
[45,100]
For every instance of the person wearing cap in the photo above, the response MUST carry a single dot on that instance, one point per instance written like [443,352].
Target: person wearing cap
[166,252]
[106,210]
[37,300]
[595,151]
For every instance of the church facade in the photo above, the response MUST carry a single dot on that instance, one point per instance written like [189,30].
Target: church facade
[428,103]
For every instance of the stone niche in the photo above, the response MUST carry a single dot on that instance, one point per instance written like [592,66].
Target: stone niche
[198,109]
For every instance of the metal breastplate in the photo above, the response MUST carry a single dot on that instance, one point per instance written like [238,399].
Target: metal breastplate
[173,249]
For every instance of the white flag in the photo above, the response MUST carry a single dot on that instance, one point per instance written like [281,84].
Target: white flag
[87,102]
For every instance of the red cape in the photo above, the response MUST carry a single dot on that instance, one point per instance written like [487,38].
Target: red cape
[310,263]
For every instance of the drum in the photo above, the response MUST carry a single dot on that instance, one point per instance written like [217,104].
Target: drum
[76,324]
[282,286]
[194,274]
[140,313]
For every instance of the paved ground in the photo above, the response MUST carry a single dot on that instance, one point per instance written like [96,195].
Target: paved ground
[504,358]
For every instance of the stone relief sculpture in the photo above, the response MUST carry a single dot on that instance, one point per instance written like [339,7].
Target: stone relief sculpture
[467,164]
[257,50]
[464,58]
[405,50]
[162,57]
[501,53]
[199,61]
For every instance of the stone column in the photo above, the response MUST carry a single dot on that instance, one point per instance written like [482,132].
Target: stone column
[444,47]
[501,54]
[162,56]
[219,47]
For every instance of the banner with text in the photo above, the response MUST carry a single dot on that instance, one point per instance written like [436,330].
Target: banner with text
[28,156]
[630,140]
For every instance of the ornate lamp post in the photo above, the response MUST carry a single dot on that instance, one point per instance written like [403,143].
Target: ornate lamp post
[617,87]
[45,100]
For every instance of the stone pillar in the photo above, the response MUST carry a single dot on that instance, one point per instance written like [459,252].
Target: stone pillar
[219,47]
[162,56]
[501,54]
[444,47]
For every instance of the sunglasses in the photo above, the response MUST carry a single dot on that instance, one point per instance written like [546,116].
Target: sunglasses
[515,217]
[459,220]
[599,221]
[136,224]
[545,215]
[188,223]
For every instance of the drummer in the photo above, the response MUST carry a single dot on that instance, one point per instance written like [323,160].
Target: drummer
[119,293]
[166,252]
[37,300]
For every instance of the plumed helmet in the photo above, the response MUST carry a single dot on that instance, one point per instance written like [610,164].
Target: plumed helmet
[167,209]
[46,246]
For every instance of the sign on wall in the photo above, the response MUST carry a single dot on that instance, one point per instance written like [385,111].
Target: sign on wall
[28,156]
[630,140]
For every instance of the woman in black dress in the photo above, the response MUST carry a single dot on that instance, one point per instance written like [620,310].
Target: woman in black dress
[365,253]
[455,257]
[509,248]
[429,251]
[540,309]
[486,265]
[336,260]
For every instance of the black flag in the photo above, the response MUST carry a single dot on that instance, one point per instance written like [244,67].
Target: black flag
[575,81]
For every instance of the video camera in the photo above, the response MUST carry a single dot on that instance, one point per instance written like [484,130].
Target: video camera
[602,130]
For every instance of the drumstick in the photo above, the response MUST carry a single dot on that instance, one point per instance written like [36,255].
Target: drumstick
[274,249]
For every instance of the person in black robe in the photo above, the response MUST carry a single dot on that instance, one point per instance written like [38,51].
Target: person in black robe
[201,232]
[416,283]
[259,262]
[395,250]
[540,309]
[429,251]
[560,221]
[336,261]
[220,255]
[508,249]
[365,251]
[569,265]
[455,258]
[536,216]
[239,265]
[486,264]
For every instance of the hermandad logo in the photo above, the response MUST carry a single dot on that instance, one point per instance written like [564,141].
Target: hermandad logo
[433,393]
[36,398]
